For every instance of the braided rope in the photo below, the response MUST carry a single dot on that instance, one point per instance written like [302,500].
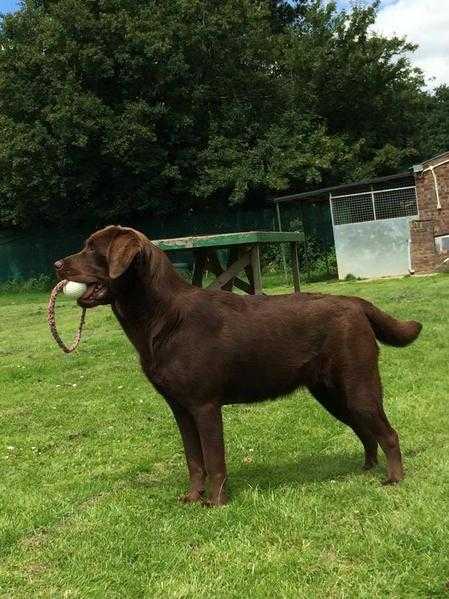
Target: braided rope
[52,322]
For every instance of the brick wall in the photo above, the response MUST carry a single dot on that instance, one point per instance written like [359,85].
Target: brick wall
[432,221]
[422,248]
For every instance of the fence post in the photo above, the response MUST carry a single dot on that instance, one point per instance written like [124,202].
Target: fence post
[306,253]
[374,202]
[332,210]
[284,259]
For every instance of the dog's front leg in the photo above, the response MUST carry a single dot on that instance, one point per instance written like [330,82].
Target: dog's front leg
[210,427]
[192,450]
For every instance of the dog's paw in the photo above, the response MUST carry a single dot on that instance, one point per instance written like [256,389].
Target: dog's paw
[215,502]
[369,465]
[191,497]
[390,481]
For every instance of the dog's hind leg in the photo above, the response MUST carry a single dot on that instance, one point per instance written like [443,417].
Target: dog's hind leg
[364,401]
[335,405]
[192,450]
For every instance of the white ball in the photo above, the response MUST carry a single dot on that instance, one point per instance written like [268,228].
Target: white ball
[74,290]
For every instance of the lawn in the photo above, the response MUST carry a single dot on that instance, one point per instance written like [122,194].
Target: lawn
[91,467]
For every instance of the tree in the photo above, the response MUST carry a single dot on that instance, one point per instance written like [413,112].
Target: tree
[361,85]
[434,123]
[112,107]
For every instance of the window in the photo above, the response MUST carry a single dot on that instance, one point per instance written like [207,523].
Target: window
[442,244]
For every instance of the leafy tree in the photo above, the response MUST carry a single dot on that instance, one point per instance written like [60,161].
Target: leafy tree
[360,84]
[434,123]
[111,107]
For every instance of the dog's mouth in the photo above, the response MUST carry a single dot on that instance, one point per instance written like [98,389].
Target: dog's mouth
[95,294]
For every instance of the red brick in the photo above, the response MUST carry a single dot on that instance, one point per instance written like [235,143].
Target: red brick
[432,221]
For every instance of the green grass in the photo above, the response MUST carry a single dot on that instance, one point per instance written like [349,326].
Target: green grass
[91,466]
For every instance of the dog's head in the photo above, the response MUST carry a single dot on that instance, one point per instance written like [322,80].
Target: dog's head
[106,256]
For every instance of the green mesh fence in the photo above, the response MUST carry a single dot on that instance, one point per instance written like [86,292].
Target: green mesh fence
[317,254]
[24,255]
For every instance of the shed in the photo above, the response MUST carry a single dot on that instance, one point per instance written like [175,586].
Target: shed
[370,223]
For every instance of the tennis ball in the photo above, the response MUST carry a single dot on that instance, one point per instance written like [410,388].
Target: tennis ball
[74,290]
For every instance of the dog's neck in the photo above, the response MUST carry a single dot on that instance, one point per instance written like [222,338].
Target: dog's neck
[145,298]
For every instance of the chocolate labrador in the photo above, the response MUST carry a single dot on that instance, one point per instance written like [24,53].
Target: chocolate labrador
[202,349]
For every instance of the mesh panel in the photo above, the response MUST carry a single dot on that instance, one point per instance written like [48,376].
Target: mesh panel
[388,203]
[395,203]
[355,208]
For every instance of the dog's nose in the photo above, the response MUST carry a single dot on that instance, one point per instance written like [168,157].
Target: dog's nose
[59,264]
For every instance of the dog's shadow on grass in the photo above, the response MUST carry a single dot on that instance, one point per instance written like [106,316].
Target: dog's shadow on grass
[304,471]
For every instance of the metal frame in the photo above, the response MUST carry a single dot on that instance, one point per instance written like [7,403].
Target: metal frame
[361,193]
[373,201]
[332,210]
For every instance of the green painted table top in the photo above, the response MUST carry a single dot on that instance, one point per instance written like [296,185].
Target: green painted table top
[227,239]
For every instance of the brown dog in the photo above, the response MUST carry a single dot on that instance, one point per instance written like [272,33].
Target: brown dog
[202,349]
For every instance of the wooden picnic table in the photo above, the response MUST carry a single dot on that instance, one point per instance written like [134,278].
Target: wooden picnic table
[244,256]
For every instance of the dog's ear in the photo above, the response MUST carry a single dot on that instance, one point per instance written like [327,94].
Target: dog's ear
[122,250]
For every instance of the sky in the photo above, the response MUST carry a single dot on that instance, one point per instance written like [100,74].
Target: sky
[8,5]
[425,22]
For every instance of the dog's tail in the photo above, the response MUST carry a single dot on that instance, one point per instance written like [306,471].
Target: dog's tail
[389,330]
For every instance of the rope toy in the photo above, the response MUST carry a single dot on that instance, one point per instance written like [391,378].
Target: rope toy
[52,322]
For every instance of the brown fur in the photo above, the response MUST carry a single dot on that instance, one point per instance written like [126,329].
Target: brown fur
[202,349]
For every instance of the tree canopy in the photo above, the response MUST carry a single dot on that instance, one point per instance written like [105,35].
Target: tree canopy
[434,123]
[112,107]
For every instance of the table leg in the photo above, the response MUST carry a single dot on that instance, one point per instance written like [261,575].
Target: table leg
[230,274]
[213,263]
[249,274]
[295,265]
[256,270]
[233,256]
[200,259]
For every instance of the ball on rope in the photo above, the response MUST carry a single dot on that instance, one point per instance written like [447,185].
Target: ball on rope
[74,290]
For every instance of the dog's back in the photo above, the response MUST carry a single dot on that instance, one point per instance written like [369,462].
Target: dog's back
[259,347]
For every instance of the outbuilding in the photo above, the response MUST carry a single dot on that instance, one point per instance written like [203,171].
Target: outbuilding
[388,226]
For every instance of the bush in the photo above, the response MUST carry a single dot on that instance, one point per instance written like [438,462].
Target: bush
[39,283]
[316,262]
